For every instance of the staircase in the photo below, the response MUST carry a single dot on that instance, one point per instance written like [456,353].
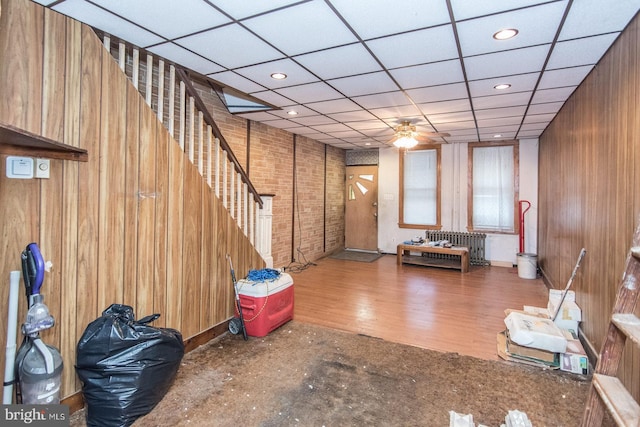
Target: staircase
[607,391]
[168,90]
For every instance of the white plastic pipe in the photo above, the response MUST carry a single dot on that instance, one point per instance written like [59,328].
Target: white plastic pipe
[12,326]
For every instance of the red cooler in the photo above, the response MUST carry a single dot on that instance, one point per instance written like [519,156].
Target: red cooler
[267,304]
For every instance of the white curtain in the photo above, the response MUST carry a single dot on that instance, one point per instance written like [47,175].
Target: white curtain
[420,187]
[493,188]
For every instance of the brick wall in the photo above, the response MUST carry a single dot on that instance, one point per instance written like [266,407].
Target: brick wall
[310,223]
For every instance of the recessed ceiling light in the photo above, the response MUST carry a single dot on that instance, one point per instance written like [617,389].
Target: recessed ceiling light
[497,135]
[505,34]
[279,76]
[367,143]
[292,112]
[502,86]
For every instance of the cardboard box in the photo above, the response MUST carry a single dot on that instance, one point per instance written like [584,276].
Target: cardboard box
[575,358]
[530,356]
[569,310]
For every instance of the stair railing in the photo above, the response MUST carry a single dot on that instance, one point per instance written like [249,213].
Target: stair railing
[168,89]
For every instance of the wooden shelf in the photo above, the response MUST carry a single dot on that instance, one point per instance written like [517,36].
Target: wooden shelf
[620,403]
[629,324]
[20,142]
[431,262]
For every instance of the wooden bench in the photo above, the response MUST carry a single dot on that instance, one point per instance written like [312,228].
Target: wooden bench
[405,257]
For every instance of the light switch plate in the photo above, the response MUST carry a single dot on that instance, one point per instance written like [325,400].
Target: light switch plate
[19,167]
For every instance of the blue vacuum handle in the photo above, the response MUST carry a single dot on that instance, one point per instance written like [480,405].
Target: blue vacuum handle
[32,269]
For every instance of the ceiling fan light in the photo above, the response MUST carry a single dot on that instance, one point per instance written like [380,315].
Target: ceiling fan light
[405,142]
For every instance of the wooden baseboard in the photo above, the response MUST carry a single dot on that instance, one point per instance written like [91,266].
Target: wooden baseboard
[75,402]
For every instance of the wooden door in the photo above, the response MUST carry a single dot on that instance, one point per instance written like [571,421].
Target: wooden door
[361,211]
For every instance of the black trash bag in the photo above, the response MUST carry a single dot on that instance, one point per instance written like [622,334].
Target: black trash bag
[126,366]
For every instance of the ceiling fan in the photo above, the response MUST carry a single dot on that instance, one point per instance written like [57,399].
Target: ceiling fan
[407,137]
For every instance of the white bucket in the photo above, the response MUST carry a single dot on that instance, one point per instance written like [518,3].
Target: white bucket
[527,266]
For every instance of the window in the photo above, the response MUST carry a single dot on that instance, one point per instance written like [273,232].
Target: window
[493,187]
[420,188]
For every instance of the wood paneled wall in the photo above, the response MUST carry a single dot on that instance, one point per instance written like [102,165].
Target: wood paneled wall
[589,180]
[136,224]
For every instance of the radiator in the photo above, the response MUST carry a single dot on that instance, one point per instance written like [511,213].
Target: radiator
[474,241]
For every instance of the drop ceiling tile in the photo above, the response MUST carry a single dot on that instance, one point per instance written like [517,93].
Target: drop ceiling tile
[497,136]
[445,106]
[300,109]
[564,77]
[352,116]
[372,18]
[520,61]
[348,135]
[334,106]
[308,93]
[335,127]
[496,113]
[587,51]
[307,27]
[536,25]
[246,49]
[533,127]
[368,125]
[418,47]
[273,98]
[500,129]
[398,112]
[434,74]
[236,81]
[380,100]
[181,56]
[340,61]
[499,122]
[464,9]
[462,133]
[588,17]
[538,118]
[169,18]
[518,82]
[438,93]
[92,15]
[548,107]
[439,119]
[552,95]
[364,84]
[503,100]
[242,9]
[313,120]
[261,73]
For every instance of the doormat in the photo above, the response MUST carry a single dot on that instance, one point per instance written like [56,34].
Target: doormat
[356,256]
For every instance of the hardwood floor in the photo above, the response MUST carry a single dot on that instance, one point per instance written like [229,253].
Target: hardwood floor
[426,307]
